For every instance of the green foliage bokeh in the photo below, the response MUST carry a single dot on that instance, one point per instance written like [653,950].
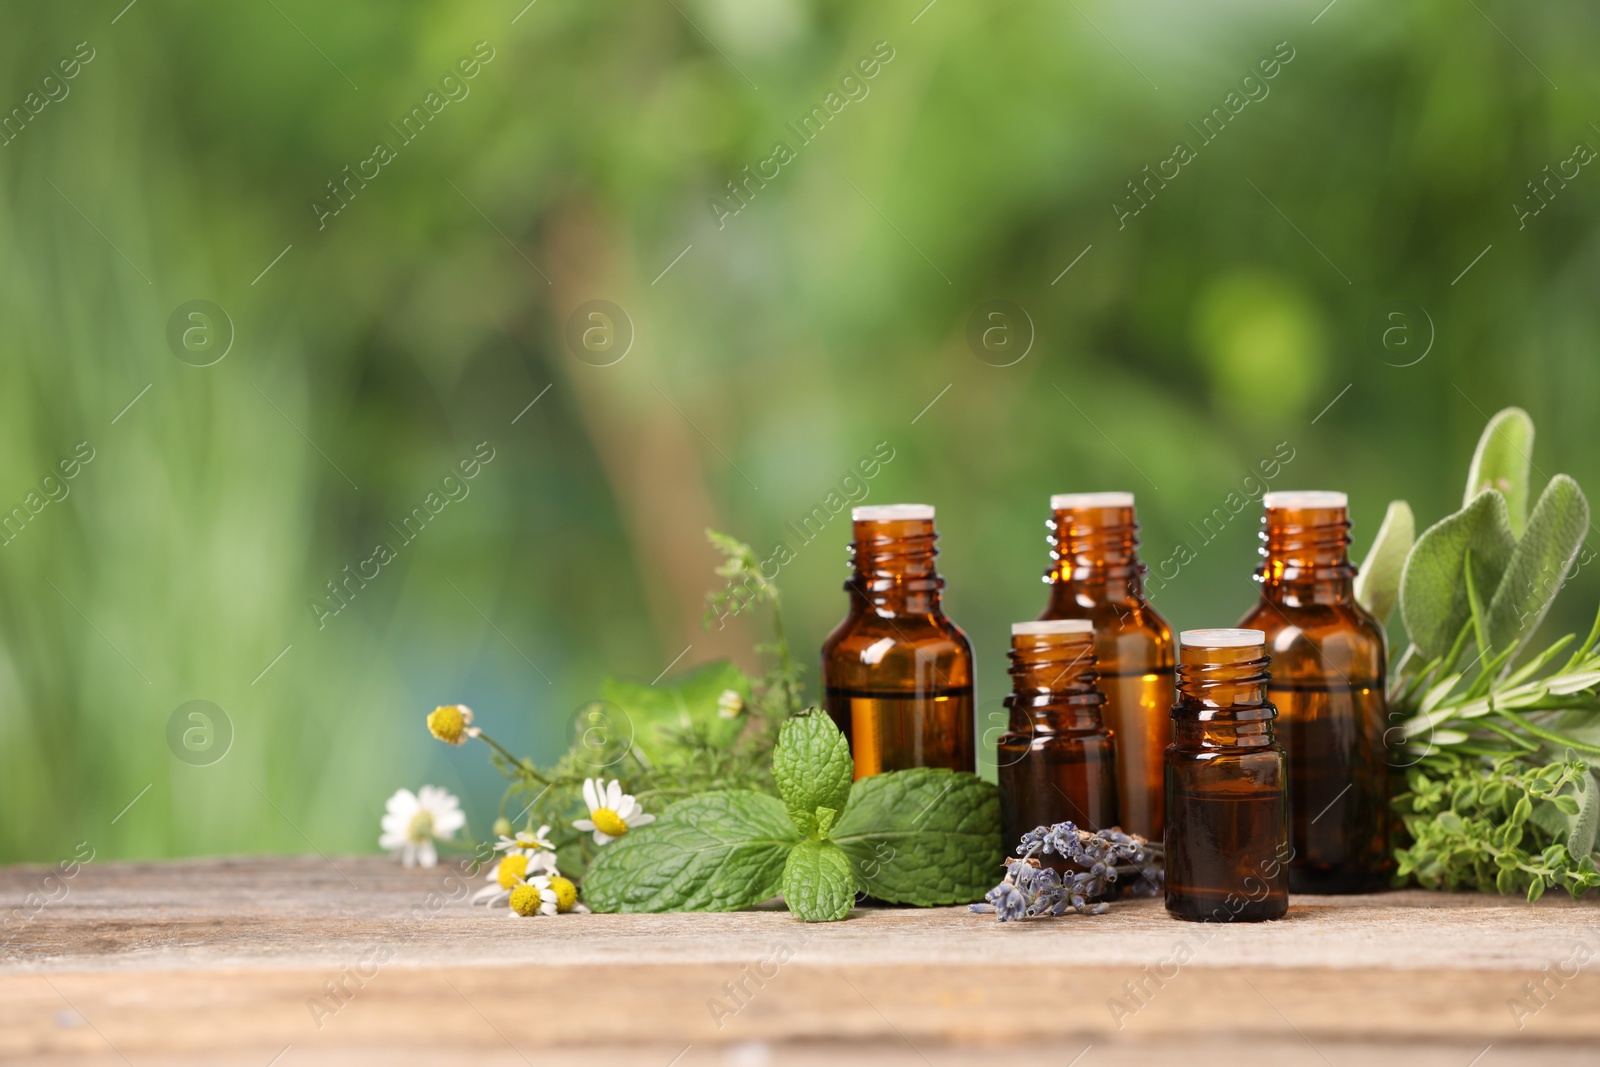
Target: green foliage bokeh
[1250,292]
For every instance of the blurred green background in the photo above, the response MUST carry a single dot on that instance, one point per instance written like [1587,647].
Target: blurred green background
[770,350]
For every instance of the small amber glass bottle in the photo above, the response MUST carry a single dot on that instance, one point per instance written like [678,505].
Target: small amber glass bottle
[1058,760]
[1227,838]
[1096,574]
[1328,670]
[896,674]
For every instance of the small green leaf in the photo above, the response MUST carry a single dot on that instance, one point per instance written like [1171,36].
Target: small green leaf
[1581,835]
[817,883]
[812,764]
[1538,566]
[1378,580]
[656,713]
[712,852]
[925,836]
[1433,595]
[1501,462]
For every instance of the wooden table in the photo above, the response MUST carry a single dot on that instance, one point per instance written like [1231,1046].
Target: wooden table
[293,961]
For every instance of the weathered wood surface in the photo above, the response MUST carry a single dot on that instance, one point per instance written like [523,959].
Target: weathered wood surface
[358,960]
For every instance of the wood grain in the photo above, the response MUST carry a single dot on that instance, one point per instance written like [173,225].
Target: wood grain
[358,960]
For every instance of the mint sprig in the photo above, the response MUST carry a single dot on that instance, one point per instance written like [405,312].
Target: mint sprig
[923,836]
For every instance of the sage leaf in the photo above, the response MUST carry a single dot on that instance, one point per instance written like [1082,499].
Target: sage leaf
[1501,462]
[1378,580]
[818,885]
[812,766]
[1581,830]
[1538,566]
[1433,591]
[716,851]
[924,836]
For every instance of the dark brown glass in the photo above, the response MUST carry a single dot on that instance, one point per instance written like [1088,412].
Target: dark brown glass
[896,674]
[1227,837]
[1058,761]
[1096,574]
[1328,676]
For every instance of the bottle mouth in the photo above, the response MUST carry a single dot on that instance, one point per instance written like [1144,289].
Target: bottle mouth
[892,513]
[1045,627]
[1077,501]
[1225,637]
[1304,500]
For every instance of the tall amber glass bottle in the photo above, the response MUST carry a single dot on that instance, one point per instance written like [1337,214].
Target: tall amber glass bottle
[1328,669]
[896,674]
[1058,760]
[1096,574]
[1227,837]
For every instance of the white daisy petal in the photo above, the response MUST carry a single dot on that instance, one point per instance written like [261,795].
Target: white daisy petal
[641,819]
[583,824]
[591,796]
[614,795]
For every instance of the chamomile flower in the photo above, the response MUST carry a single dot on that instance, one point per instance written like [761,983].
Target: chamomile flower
[534,897]
[526,841]
[566,895]
[452,724]
[730,705]
[513,869]
[612,812]
[413,821]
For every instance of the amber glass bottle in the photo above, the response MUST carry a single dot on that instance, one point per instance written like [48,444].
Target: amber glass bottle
[896,674]
[1328,669]
[1095,574]
[1058,760]
[1227,838]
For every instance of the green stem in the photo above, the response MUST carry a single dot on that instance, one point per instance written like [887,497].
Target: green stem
[1549,735]
[521,767]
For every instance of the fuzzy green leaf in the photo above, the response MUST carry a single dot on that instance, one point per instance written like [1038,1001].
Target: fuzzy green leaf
[1581,832]
[654,713]
[1501,462]
[818,885]
[713,852]
[812,764]
[1538,564]
[1378,581]
[925,836]
[1433,592]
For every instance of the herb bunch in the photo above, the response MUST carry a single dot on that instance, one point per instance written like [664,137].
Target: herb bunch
[1496,744]
[924,836]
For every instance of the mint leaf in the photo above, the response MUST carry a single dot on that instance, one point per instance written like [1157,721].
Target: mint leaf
[817,883]
[1378,579]
[1501,462]
[1433,588]
[812,764]
[655,713]
[924,836]
[1538,566]
[714,852]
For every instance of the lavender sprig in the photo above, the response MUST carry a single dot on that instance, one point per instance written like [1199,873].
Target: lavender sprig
[1031,889]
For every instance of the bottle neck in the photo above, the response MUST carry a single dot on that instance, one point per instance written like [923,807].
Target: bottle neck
[1305,556]
[1096,550]
[1222,698]
[1053,684]
[892,568]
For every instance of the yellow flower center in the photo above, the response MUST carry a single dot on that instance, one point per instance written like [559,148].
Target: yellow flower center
[512,870]
[525,899]
[566,893]
[608,822]
[420,828]
[447,723]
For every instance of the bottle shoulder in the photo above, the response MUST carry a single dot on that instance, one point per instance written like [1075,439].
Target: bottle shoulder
[1130,635]
[868,650]
[1310,641]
